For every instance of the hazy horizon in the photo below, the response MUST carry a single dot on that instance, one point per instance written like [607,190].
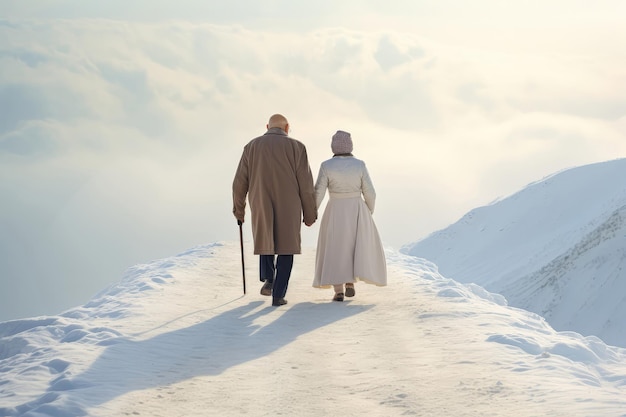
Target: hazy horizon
[123,122]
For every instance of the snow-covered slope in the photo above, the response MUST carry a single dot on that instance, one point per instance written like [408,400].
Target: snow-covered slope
[176,338]
[557,248]
[582,289]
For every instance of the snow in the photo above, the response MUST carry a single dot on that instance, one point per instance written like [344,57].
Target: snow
[557,248]
[176,337]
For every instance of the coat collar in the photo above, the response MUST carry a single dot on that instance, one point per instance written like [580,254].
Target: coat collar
[276,131]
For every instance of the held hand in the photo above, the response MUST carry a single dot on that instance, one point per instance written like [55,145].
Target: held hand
[239,222]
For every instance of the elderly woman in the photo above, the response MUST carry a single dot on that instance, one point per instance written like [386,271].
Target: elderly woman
[349,248]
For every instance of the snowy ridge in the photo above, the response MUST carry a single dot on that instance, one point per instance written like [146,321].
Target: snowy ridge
[590,273]
[176,337]
[565,231]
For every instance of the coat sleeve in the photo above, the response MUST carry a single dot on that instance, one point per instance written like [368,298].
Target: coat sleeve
[240,187]
[307,190]
[367,188]
[321,185]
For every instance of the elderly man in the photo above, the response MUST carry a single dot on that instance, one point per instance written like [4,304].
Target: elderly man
[275,175]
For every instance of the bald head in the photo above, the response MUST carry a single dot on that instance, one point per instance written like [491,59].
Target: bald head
[280,121]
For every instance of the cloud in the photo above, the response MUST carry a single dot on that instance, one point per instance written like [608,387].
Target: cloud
[389,55]
[120,138]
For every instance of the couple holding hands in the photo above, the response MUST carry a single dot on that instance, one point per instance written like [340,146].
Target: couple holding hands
[275,176]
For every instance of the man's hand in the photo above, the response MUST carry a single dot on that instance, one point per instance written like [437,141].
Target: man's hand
[239,222]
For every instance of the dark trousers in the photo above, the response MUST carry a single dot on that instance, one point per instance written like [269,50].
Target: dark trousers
[277,269]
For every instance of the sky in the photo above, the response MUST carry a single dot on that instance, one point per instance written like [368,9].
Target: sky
[123,122]
[174,337]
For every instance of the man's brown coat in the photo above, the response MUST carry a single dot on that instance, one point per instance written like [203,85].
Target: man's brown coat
[275,175]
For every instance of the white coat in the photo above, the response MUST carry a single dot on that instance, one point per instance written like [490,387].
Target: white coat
[349,248]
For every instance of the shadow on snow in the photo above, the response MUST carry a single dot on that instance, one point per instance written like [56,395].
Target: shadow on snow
[207,348]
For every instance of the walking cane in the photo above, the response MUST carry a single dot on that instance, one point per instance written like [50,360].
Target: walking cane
[243,267]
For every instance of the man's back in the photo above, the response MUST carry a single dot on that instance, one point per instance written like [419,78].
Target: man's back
[274,172]
[273,161]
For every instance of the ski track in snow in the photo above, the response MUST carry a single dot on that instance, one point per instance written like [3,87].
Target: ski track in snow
[176,337]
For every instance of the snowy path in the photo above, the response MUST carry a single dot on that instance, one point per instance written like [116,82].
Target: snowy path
[398,350]
[176,337]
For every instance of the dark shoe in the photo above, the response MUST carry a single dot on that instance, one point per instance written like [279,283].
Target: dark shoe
[338,296]
[267,288]
[350,290]
[279,302]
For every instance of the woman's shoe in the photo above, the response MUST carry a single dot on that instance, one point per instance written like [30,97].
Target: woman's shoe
[338,296]
[350,290]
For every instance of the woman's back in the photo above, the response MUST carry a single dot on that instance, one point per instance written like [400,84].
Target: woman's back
[345,174]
